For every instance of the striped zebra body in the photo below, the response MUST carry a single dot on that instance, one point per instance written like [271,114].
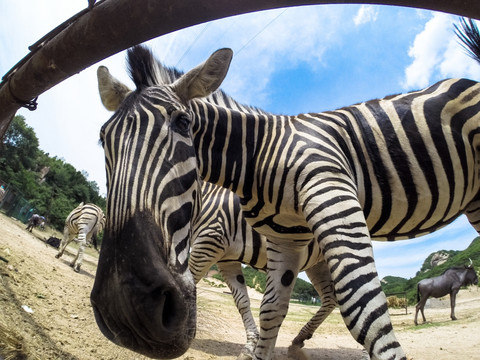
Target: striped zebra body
[388,169]
[222,236]
[393,168]
[83,223]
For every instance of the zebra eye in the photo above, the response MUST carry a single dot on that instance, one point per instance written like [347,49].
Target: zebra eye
[181,123]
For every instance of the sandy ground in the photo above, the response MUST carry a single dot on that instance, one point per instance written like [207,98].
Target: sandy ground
[62,325]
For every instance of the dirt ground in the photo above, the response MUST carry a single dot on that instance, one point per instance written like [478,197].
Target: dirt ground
[45,304]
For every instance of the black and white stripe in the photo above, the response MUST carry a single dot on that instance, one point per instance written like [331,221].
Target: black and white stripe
[386,169]
[222,236]
[83,223]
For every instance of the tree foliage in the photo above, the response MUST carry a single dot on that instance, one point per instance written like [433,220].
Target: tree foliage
[303,291]
[50,184]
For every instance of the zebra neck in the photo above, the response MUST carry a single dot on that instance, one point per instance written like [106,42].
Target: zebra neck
[228,142]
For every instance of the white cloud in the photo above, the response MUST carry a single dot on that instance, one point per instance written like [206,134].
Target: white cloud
[436,54]
[262,42]
[366,14]
[427,50]
[456,63]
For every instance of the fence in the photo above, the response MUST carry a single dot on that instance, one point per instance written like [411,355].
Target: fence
[13,204]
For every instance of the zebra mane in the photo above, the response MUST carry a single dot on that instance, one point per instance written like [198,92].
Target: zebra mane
[145,70]
[469,38]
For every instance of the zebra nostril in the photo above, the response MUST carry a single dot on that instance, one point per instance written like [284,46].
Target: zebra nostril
[165,309]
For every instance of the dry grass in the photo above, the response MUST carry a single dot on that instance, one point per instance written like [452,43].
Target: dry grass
[12,345]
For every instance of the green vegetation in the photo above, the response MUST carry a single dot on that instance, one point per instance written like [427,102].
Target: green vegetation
[51,185]
[303,291]
[213,284]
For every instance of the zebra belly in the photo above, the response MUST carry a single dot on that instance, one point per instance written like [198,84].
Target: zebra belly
[400,217]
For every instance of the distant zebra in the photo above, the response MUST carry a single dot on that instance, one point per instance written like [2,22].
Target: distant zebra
[222,236]
[83,222]
[390,169]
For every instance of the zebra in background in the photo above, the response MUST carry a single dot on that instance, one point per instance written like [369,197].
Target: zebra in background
[83,223]
[222,236]
[390,169]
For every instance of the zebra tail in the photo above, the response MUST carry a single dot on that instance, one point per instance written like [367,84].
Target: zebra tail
[418,295]
[469,37]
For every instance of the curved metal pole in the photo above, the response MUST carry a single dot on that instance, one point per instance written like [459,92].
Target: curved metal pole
[114,25]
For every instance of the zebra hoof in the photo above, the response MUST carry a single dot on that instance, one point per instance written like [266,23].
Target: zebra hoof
[244,356]
[295,352]
[57,256]
[76,269]
[365,355]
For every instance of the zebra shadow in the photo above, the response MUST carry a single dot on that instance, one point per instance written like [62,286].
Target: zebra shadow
[225,348]
[217,347]
[81,272]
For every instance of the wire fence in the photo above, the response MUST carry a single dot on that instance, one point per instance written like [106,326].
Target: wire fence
[13,204]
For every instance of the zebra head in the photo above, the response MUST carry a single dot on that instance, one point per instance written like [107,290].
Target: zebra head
[144,295]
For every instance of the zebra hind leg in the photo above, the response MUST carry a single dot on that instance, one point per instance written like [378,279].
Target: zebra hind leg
[63,244]
[321,280]
[77,262]
[232,273]
[283,258]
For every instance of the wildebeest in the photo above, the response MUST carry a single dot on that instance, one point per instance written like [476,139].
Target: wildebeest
[449,282]
[34,221]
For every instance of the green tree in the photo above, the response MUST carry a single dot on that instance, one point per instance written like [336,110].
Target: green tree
[304,291]
[50,184]
[19,146]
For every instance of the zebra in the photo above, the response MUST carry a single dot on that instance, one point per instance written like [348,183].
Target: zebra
[222,236]
[83,223]
[386,169]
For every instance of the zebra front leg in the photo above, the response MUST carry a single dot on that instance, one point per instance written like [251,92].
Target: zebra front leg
[282,270]
[339,226]
[232,273]
[321,280]
[362,303]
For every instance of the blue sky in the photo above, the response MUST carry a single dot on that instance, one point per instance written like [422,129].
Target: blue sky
[289,61]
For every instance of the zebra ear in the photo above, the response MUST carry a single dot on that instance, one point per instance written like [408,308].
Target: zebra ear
[205,78]
[112,91]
